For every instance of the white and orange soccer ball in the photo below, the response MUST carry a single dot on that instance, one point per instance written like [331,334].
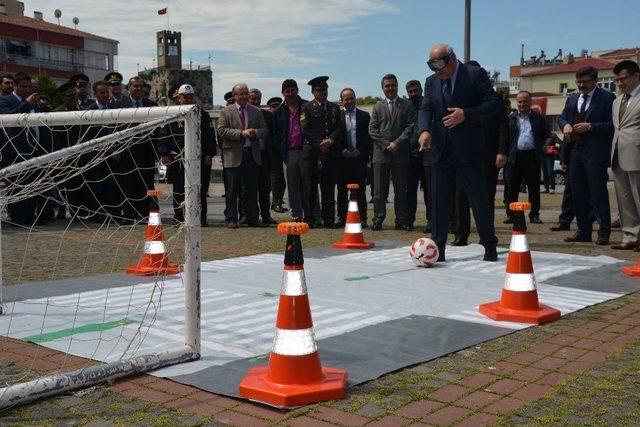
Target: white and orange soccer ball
[424,252]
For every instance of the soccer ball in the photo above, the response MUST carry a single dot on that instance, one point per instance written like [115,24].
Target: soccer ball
[424,252]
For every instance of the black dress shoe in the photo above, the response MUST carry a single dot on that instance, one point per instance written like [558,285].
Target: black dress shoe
[460,241]
[398,227]
[427,228]
[243,220]
[490,255]
[561,226]
[364,225]
[577,238]
[269,221]
[535,220]
[376,226]
[340,224]
[602,240]
[279,209]
[204,224]
[406,227]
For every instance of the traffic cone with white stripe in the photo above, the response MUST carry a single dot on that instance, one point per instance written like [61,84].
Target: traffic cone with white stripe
[294,375]
[155,259]
[632,270]
[353,238]
[519,302]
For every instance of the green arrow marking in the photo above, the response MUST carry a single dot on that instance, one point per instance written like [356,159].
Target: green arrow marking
[91,327]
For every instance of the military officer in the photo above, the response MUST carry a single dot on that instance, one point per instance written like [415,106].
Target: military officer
[81,82]
[324,133]
[114,79]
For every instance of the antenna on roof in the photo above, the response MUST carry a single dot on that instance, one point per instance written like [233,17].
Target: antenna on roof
[57,13]
[76,21]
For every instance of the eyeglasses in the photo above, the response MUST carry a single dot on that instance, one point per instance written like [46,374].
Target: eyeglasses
[439,64]
[621,79]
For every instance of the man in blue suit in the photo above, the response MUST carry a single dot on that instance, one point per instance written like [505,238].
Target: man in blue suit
[587,126]
[457,98]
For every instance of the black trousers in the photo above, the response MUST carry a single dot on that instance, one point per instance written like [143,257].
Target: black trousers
[264,185]
[462,218]
[470,176]
[352,171]
[247,175]
[382,174]
[590,195]
[525,167]
[297,202]
[176,171]
[323,171]
[416,178]
[566,209]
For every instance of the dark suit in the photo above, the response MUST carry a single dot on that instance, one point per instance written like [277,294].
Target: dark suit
[459,152]
[17,145]
[264,174]
[318,123]
[590,156]
[137,170]
[354,171]
[293,160]
[171,144]
[418,175]
[525,164]
[384,129]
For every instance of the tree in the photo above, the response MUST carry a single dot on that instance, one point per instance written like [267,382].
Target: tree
[47,90]
[368,100]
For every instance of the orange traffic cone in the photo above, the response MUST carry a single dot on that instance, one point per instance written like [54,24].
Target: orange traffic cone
[352,237]
[632,270]
[294,376]
[519,302]
[155,259]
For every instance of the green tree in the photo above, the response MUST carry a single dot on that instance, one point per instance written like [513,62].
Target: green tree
[368,100]
[47,90]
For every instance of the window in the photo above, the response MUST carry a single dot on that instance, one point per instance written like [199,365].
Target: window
[607,83]
[563,87]
[160,50]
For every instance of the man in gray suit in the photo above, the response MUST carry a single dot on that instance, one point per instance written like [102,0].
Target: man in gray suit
[625,156]
[241,126]
[391,127]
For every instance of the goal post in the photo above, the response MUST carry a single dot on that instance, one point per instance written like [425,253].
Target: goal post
[140,120]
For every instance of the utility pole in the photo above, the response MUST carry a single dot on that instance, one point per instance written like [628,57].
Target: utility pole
[467,30]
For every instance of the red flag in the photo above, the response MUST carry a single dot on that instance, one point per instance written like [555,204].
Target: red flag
[162,11]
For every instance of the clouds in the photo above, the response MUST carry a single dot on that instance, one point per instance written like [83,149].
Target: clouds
[242,36]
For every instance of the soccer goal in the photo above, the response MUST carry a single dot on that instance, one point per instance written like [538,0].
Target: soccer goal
[82,202]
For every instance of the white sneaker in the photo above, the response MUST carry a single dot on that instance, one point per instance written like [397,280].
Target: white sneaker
[552,191]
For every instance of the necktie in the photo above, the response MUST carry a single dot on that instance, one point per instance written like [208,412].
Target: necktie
[447,93]
[623,106]
[242,119]
[392,108]
[583,107]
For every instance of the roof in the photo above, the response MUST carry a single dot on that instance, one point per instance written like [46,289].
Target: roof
[515,70]
[621,53]
[37,24]
[598,64]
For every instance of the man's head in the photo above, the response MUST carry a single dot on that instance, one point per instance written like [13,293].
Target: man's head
[389,85]
[81,83]
[414,91]
[274,102]
[255,97]
[586,79]
[442,61]
[523,98]
[6,84]
[101,92]
[348,98]
[290,91]
[627,76]
[114,81]
[186,95]
[319,88]
[241,94]
[22,85]
[69,95]
[136,87]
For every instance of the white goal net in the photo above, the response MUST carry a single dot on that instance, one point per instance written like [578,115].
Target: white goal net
[83,202]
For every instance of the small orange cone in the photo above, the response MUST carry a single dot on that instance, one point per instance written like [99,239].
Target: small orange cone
[294,376]
[632,270]
[353,238]
[155,259]
[519,302]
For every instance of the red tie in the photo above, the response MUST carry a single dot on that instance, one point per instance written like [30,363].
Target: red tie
[241,112]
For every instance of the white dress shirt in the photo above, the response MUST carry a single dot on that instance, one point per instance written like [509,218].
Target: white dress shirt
[581,100]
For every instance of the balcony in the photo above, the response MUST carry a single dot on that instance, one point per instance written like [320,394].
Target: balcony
[30,61]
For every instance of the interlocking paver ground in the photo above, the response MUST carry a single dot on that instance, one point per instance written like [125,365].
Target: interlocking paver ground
[581,369]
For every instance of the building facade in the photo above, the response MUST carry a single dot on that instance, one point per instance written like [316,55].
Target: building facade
[35,46]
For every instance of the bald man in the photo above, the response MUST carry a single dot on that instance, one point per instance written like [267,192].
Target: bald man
[457,98]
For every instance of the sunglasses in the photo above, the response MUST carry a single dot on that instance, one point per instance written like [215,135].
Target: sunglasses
[439,64]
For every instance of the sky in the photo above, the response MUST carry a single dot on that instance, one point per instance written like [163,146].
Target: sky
[354,42]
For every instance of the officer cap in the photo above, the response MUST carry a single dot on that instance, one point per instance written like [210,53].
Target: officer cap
[274,102]
[319,83]
[79,79]
[173,92]
[113,78]
[228,96]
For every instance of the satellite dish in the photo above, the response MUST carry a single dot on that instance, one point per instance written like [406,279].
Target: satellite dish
[57,13]
[76,21]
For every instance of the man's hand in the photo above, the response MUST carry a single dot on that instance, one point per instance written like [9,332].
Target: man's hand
[392,148]
[424,140]
[165,160]
[325,144]
[454,118]
[355,153]
[501,160]
[246,133]
[582,127]
[347,154]
[567,130]
[207,160]
[33,98]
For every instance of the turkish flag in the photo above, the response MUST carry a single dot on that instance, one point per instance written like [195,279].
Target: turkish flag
[162,11]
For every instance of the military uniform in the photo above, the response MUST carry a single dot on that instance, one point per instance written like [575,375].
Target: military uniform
[81,80]
[318,122]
